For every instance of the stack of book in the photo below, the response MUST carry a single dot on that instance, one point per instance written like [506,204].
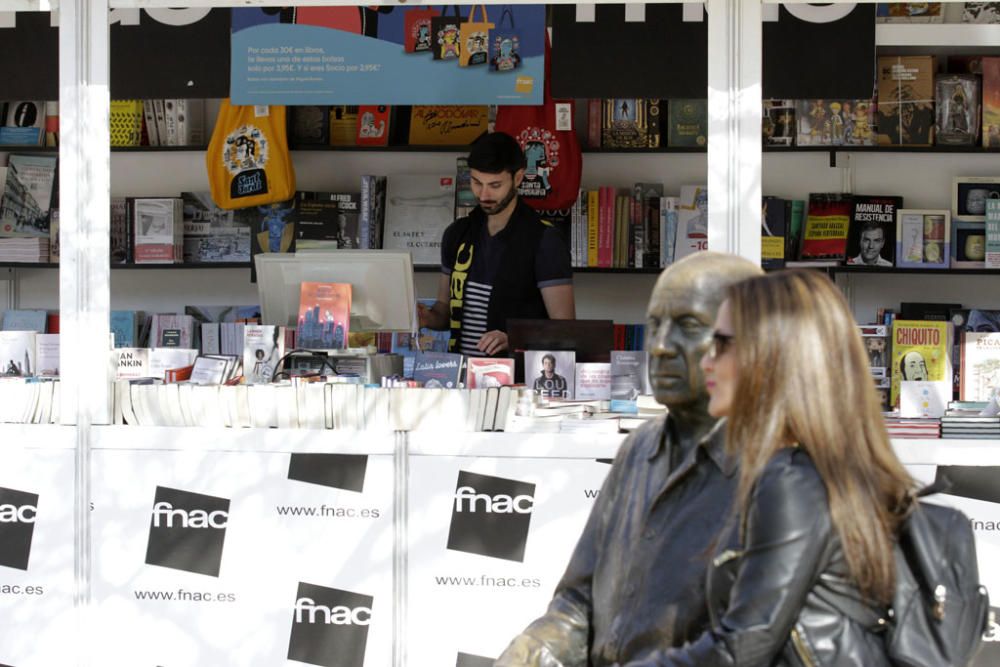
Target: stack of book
[913,428]
[24,249]
[976,428]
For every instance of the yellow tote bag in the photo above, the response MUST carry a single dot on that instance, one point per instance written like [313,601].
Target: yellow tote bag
[248,161]
[475,39]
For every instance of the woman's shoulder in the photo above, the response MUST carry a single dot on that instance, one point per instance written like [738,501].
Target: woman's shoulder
[791,472]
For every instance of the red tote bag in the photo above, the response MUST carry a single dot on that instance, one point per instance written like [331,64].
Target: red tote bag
[552,177]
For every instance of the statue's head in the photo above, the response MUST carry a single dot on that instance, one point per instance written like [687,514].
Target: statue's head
[680,320]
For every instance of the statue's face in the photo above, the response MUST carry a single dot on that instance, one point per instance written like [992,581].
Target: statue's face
[680,320]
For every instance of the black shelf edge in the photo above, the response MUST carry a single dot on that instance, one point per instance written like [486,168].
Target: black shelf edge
[660,149]
[199,265]
[892,270]
[880,149]
[114,149]
[597,269]
[380,149]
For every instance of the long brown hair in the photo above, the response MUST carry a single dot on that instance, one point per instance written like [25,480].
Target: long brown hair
[804,378]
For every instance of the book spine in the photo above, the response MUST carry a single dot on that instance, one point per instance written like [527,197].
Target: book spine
[365,221]
[653,123]
[651,221]
[183,127]
[605,231]
[593,227]
[170,119]
[594,123]
[150,116]
[161,121]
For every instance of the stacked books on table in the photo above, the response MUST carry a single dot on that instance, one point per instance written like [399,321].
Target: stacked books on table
[24,249]
[970,420]
[900,427]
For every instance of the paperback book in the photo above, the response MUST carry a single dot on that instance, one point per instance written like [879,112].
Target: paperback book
[17,353]
[552,374]
[980,365]
[328,221]
[920,352]
[263,347]
[324,316]
[827,222]
[418,208]
[437,369]
[484,372]
[593,382]
[872,234]
[28,195]
[629,380]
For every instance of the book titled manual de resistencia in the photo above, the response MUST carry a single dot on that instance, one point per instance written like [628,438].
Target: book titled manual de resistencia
[159,230]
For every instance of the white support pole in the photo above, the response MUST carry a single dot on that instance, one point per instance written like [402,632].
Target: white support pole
[84,274]
[734,110]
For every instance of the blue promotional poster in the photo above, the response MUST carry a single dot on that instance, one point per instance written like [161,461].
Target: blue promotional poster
[447,54]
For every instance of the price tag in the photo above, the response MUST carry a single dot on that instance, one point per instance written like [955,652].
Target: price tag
[564,117]
[261,110]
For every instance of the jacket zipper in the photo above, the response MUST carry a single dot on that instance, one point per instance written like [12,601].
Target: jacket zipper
[726,556]
[802,649]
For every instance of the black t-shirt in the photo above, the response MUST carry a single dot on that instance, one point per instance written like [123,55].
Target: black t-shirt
[552,267]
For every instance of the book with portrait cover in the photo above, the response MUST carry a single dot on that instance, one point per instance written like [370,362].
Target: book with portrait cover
[324,316]
[920,351]
[327,221]
[552,374]
[824,234]
[871,239]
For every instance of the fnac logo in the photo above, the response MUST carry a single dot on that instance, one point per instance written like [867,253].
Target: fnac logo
[491,516]
[187,531]
[337,471]
[18,510]
[329,626]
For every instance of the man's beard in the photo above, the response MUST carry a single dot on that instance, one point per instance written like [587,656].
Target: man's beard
[500,205]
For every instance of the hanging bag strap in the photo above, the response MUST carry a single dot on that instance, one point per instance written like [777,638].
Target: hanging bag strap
[508,13]
[472,11]
[457,12]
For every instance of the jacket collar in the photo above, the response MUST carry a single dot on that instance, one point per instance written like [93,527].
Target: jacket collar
[713,444]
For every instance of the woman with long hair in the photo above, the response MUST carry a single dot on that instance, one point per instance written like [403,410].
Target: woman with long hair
[821,493]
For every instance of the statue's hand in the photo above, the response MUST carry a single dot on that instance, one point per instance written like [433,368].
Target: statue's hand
[526,651]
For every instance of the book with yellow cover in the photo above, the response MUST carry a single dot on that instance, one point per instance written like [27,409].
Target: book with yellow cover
[919,352]
[126,122]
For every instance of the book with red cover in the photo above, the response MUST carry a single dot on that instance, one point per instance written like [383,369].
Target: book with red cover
[324,316]
[484,372]
[373,125]
[828,219]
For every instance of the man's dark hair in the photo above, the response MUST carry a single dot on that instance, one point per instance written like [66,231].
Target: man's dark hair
[550,357]
[496,152]
[871,225]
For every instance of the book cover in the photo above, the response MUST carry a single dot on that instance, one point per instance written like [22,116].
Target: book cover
[373,125]
[263,347]
[165,359]
[17,353]
[919,352]
[417,210]
[309,125]
[630,123]
[209,370]
[629,380]
[451,125]
[159,230]
[47,355]
[330,218]
[906,100]
[980,12]
[687,122]
[343,125]
[980,366]
[992,224]
[324,316]
[692,221]
[213,234]
[648,197]
[24,320]
[668,229]
[171,330]
[835,122]
[437,369]
[125,327]
[956,100]
[593,382]
[126,123]
[991,102]
[552,374]
[119,230]
[28,195]
[909,12]
[773,227]
[149,120]
[778,124]
[484,372]
[824,234]
[870,239]
[23,123]
[465,200]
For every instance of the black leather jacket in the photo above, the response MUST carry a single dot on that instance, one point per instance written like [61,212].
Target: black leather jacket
[776,601]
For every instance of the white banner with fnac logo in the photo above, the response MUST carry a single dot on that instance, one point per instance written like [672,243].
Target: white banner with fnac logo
[251,547]
[493,520]
[37,584]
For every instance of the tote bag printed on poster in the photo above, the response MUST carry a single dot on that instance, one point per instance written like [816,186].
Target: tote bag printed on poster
[247,160]
[446,34]
[475,36]
[505,45]
[417,30]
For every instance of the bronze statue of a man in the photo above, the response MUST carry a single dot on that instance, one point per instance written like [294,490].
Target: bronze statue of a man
[635,582]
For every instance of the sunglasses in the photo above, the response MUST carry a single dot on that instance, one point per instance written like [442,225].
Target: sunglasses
[720,344]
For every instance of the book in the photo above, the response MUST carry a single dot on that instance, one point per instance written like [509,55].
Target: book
[190,122]
[593,381]
[992,228]
[17,353]
[125,327]
[980,12]
[451,125]
[437,369]
[687,122]
[47,354]
[920,352]
[373,125]
[163,359]
[126,118]
[171,330]
[551,373]
[159,230]
[772,232]
[870,239]
[309,125]
[328,220]
[956,101]
[692,221]
[119,247]
[465,199]
[213,234]
[779,126]
[991,101]
[824,233]
[906,100]
[24,320]
[418,209]
[263,348]
[149,121]
[28,195]
[909,12]
[629,380]
[130,362]
[668,229]
[343,125]
[324,315]
[630,123]
[209,370]
[484,372]
[23,123]
[835,122]
[980,365]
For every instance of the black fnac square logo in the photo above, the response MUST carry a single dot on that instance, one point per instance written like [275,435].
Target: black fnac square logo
[18,510]
[187,531]
[329,626]
[469,660]
[491,516]
[338,471]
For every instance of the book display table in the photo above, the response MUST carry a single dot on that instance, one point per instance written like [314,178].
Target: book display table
[338,548]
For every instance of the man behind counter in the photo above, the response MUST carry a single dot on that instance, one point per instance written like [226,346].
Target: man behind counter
[502,261]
